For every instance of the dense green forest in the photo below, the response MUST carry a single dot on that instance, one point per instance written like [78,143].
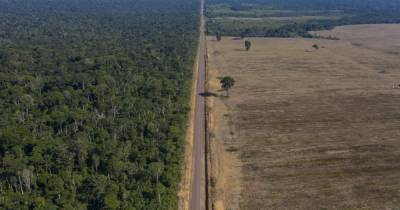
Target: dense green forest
[250,17]
[93,102]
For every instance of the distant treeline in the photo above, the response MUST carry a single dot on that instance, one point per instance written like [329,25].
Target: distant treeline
[302,29]
[348,5]
[354,12]
[93,102]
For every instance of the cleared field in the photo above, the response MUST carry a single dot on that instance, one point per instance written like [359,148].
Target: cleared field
[305,128]
[369,36]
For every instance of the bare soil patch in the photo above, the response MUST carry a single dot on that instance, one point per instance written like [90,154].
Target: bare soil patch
[380,37]
[306,128]
[186,180]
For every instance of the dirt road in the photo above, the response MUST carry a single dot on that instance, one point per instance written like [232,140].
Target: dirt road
[197,192]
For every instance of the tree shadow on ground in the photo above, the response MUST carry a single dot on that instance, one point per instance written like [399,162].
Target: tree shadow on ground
[237,38]
[209,94]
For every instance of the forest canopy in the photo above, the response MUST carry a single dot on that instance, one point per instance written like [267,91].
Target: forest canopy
[93,102]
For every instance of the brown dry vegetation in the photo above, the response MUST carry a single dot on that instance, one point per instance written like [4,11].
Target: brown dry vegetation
[186,180]
[305,128]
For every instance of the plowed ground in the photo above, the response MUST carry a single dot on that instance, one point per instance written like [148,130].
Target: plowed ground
[306,128]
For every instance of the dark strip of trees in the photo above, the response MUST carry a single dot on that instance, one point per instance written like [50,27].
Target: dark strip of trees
[354,11]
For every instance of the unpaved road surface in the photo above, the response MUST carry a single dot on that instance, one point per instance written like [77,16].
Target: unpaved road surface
[197,194]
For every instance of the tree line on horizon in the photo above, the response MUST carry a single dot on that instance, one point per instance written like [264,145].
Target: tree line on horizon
[355,12]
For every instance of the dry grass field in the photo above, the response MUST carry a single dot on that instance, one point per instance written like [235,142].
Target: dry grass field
[306,128]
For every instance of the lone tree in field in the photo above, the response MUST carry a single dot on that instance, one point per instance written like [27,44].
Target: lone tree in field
[218,36]
[247,45]
[227,83]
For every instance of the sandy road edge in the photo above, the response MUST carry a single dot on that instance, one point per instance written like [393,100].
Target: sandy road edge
[211,74]
[186,180]
[208,146]
[210,159]
[224,167]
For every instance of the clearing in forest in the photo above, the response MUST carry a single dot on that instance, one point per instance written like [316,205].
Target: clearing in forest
[307,128]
